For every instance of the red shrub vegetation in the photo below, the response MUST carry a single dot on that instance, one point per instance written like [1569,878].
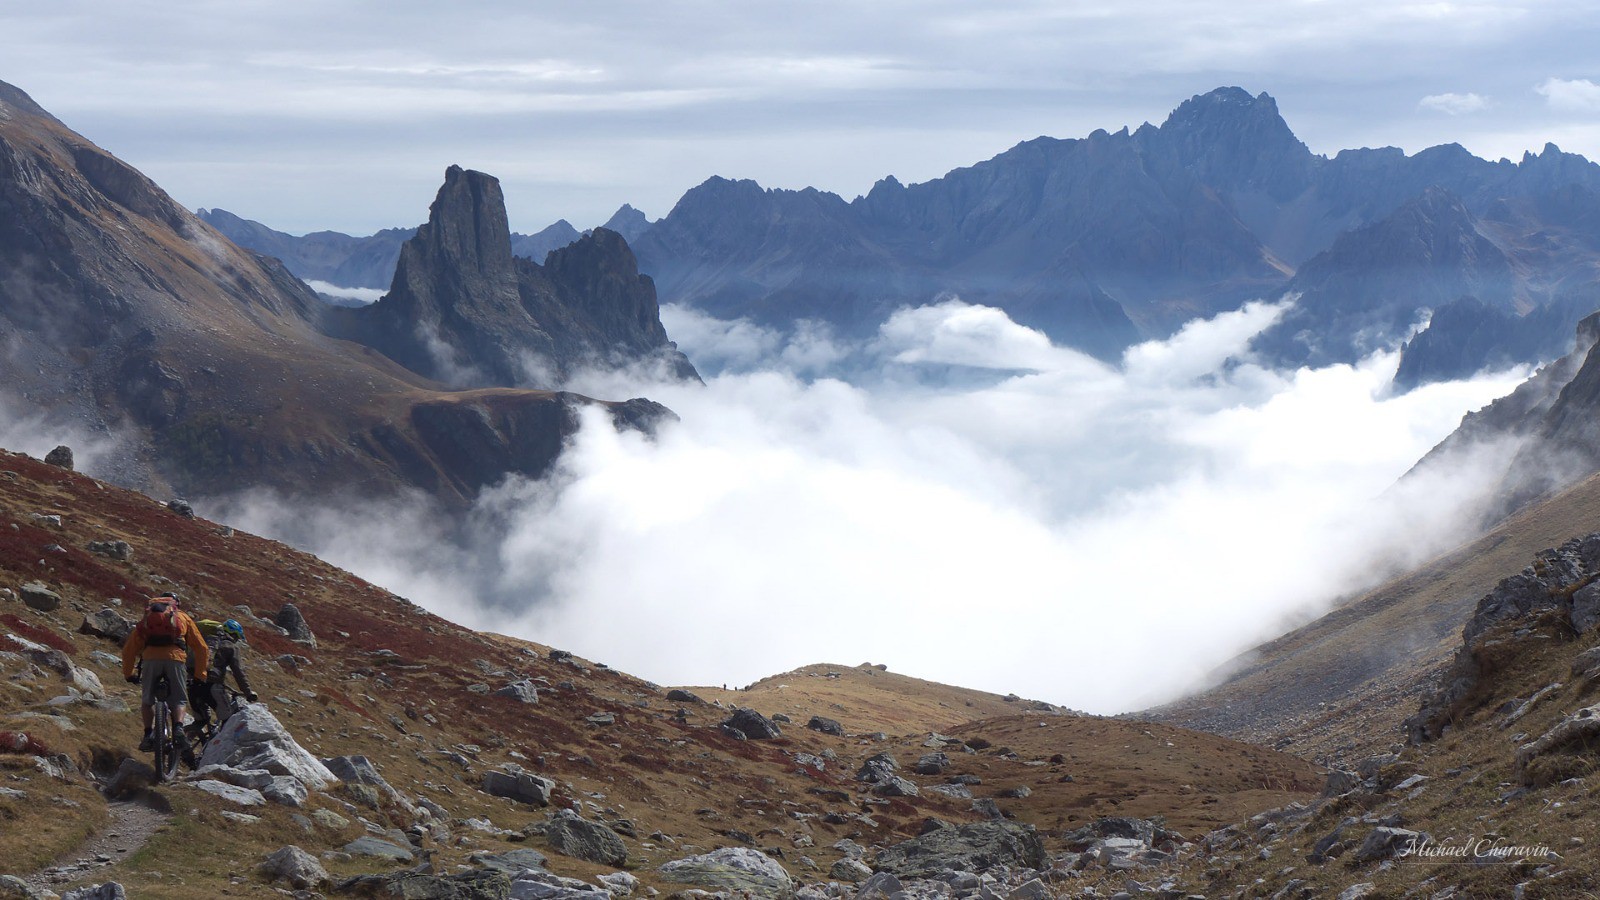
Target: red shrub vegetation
[39,635]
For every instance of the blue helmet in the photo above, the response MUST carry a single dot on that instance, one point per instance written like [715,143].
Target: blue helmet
[233,629]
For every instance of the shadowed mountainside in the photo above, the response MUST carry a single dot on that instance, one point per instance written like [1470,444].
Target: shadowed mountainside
[127,316]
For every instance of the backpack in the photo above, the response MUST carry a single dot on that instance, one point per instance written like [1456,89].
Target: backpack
[160,623]
[210,629]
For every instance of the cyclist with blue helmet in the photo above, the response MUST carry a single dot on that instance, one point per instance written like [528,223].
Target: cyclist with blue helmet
[211,694]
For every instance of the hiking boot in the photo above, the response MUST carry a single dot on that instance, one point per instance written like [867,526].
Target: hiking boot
[149,742]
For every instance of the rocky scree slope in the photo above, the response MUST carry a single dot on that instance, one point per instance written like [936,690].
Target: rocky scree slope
[476,765]
[203,365]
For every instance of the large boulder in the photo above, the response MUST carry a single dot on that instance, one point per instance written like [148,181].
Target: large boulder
[1384,842]
[752,725]
[826,726]
[37,596]
[108,891]
[291,621]
[589,841]
[360,770]
[878,768]
[1579,728]
[60,457]
[523,787]
[732,869]
[108,624]
[968,848]
[522,691]
[296,866]
[1586,608]
[253,738]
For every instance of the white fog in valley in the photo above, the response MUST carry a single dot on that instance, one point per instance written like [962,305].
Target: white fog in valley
[974,506]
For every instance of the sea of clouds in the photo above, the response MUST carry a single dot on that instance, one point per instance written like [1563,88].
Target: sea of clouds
[970,504]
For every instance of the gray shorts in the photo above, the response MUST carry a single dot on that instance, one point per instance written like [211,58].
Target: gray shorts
[177,678]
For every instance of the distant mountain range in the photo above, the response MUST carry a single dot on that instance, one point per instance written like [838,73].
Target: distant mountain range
[1113,238]
[216,370]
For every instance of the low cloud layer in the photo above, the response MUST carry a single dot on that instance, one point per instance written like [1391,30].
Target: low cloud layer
[975,506]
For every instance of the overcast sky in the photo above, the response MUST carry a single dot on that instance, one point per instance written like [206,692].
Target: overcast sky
[308,115]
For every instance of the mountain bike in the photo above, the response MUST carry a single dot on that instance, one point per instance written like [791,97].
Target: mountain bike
[203,734]
[167,752]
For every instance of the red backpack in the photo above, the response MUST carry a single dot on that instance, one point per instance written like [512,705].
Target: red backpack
[160,624]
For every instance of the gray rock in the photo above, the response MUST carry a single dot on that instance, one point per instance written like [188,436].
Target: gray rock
[512,861]
[546,886]
[13,887]
[601,718]
[286,791]
[754,725]
[1340,782]
[1357,891]
[881,886]
[582,839]
[360,770]
[1586,608]
[120,551]
[108,891]
[953,791]
[826,726]
[132,776]
[292,622]
[255,779]
[971,848]
[181,507]
[985,806]
[106,624]
[1581,726]
[522,691]
[732,869]
[1587,663]
[367,845]
[932,763]
[37,596]
[479,884]
[523,787]
[621,884]
[879,767]
[60,457]
[1032,889]
[253,738]
[1384,842]
[895,786]
[852,871]
[678,695]
[1016,793]
[296,866]
[231,793]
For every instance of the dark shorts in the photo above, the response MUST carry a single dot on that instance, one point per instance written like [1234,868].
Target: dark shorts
[177,678]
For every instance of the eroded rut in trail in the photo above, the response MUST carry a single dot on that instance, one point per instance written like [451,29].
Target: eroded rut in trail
[132,824]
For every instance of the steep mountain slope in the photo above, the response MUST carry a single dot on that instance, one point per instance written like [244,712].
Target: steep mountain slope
[329,256]
[416,696]
[126,315]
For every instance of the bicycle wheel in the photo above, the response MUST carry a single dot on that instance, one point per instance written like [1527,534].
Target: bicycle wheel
[163,751]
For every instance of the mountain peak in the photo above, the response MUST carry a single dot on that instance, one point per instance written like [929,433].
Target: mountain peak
[1233,140]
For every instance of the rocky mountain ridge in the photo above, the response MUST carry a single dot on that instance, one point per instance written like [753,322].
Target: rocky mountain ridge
[1117,237]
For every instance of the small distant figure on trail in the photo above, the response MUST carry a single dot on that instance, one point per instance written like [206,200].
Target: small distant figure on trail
[163,642]
[209,690]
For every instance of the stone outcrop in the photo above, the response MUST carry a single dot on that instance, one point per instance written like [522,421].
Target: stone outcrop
[971,848]
[732,869]
[253,738]
[464,311]
[594,842]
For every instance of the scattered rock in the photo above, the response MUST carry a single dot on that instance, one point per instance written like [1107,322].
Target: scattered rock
[1016,793]
[580,838]
[513,861]
[522,691]
[108,891]
[826,726]
[932,764]
[286,791]
[106,624]
[523,787]
[1586,608]
[678,695]
[752,724]
[13,887]
[1583,725]
[360,770]
[1384,842]
[601,718]
[132,777]
[37,596]
[973,848]
[480,884]
[296,866]
[120,551]
[879,767]
[367,845]
[895,786]
[60,457]
[732,869]
[231,793]
[853,871]
[1587,663]
[294,624]
[1357,891]
[181,507]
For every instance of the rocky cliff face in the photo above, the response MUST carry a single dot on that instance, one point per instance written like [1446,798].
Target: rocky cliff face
[125,314]
[464,311]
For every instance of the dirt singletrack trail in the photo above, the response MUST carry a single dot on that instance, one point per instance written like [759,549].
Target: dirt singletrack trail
[132,824]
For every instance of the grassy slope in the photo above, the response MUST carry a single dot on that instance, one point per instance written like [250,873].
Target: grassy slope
[686,780]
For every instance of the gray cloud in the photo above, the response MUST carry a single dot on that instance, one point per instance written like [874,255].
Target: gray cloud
[344,115]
